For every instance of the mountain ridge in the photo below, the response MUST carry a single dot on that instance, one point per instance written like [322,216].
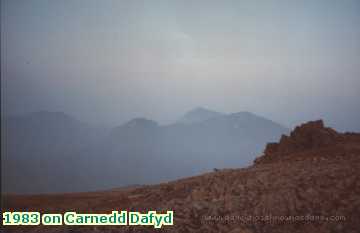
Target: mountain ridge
[129,151]
[198,114]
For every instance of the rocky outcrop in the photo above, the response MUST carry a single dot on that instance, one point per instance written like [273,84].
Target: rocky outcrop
[309,136]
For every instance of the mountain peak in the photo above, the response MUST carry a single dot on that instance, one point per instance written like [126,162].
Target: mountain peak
[136,126]
[141,122]
[244,114]
[201,109]
[199,114]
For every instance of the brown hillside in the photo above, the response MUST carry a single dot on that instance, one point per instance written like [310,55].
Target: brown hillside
[308,182]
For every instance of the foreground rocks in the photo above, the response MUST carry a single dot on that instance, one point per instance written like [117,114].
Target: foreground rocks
[308,182]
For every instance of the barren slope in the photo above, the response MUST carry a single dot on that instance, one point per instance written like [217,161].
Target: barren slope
[308,182]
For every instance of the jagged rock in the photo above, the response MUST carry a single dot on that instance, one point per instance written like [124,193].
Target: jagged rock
[308,136]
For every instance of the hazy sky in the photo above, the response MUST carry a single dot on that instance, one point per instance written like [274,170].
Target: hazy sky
[106,62]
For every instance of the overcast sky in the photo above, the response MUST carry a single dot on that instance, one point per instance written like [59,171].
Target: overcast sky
[106,62]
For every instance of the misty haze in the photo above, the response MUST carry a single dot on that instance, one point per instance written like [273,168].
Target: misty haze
[103,85]
[207,108]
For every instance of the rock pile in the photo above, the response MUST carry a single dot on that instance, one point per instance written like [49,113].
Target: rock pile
[309,136]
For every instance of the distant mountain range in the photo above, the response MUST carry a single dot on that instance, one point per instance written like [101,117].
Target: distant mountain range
[53,152]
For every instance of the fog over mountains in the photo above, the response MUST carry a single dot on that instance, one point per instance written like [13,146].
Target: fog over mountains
[53,152]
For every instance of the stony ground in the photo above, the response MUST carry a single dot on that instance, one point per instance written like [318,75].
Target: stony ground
[308,182]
